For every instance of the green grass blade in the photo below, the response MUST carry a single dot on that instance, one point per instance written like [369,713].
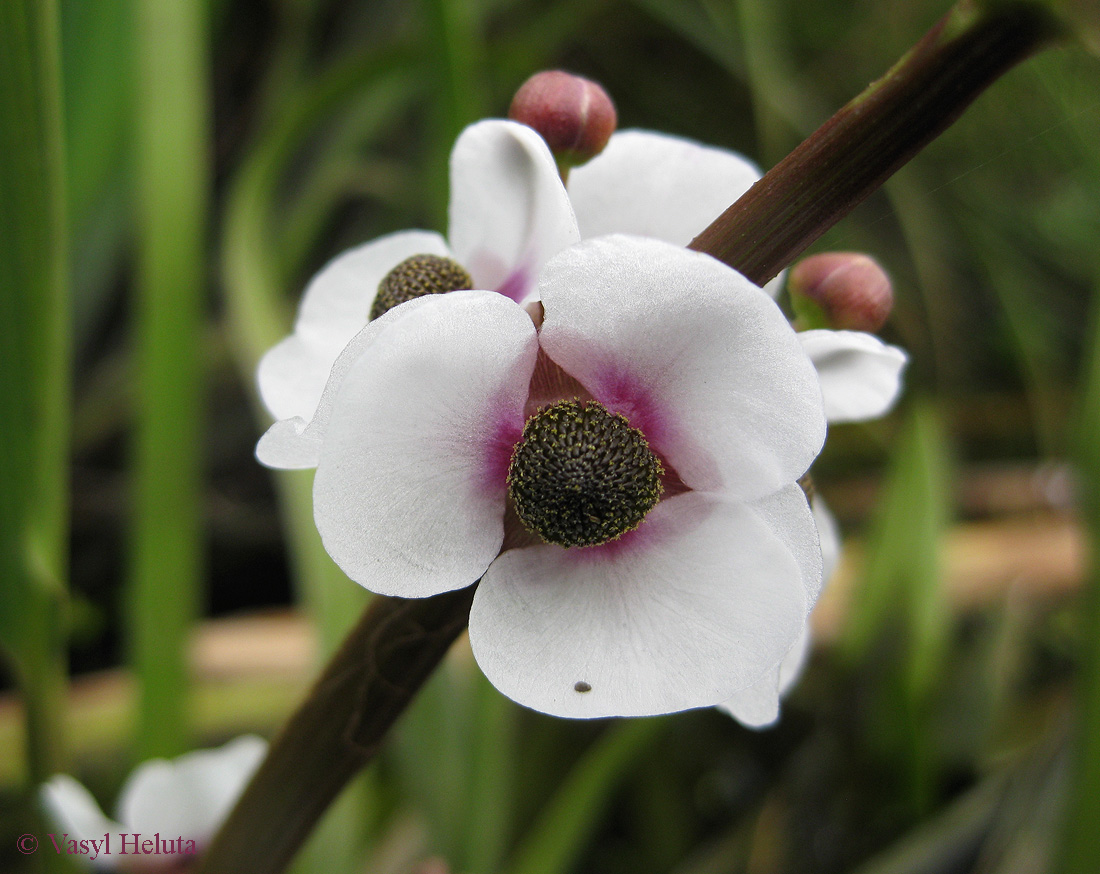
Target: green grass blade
[34,372]
[492,769]
[173,194]
[559,835]
[901,588]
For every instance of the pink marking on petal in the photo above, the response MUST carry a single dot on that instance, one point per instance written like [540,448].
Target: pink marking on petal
[653,533]
[640,538]
[516,285]
[506,432]
[621,392]
[625,393]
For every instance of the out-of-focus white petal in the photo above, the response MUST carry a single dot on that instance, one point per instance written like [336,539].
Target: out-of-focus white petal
[693,354]
[335,308]
[74,810]
[701,601]
[295,444]
[860,375]
[509,211]
[190,796]
[410,489]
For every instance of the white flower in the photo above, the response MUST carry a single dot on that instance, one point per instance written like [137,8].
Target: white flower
[423,413]
[186,798]
[509,214]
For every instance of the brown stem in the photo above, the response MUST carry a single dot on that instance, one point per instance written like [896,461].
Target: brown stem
[860,147]
[365,687]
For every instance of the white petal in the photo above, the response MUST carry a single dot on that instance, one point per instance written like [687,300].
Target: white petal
[693,354]
[334,309]
[758,706]
[860,375]
[655,185]
[787,513]
[295,444]
[509,212]
[829,534]
[410,488]
[72,807]
[190,796]
[701,601]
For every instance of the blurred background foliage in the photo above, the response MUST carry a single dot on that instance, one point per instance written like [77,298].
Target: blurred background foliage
[216,156]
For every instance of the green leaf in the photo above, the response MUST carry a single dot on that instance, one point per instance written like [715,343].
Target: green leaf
[563,828]
[34,370]
[173,193]
[901,588]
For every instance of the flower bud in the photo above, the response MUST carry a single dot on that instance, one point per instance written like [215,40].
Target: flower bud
[852,290]
[574,115]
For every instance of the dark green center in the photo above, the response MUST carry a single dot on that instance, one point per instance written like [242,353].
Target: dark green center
[417,276]
[581,476]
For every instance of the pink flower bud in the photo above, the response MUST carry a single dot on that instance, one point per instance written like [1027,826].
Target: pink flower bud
[852,290]
[574,115]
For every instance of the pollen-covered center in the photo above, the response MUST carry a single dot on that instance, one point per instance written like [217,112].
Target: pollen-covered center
[417,276]
[581,476]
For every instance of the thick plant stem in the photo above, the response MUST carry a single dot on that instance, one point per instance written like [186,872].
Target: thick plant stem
[336,731]
[860,147]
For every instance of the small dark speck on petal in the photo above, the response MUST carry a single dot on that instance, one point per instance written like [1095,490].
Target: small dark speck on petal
[582,686]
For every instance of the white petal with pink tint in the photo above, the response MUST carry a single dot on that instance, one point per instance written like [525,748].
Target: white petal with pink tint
[409,492]
[187,797]
[701,601]
[860,375]
[335,308]
[693,354]
[509,211]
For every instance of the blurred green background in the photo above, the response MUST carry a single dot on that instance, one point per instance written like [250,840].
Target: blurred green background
[215,155]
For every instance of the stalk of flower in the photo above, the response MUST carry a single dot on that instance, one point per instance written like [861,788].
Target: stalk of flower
[167,811]
[381,669]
